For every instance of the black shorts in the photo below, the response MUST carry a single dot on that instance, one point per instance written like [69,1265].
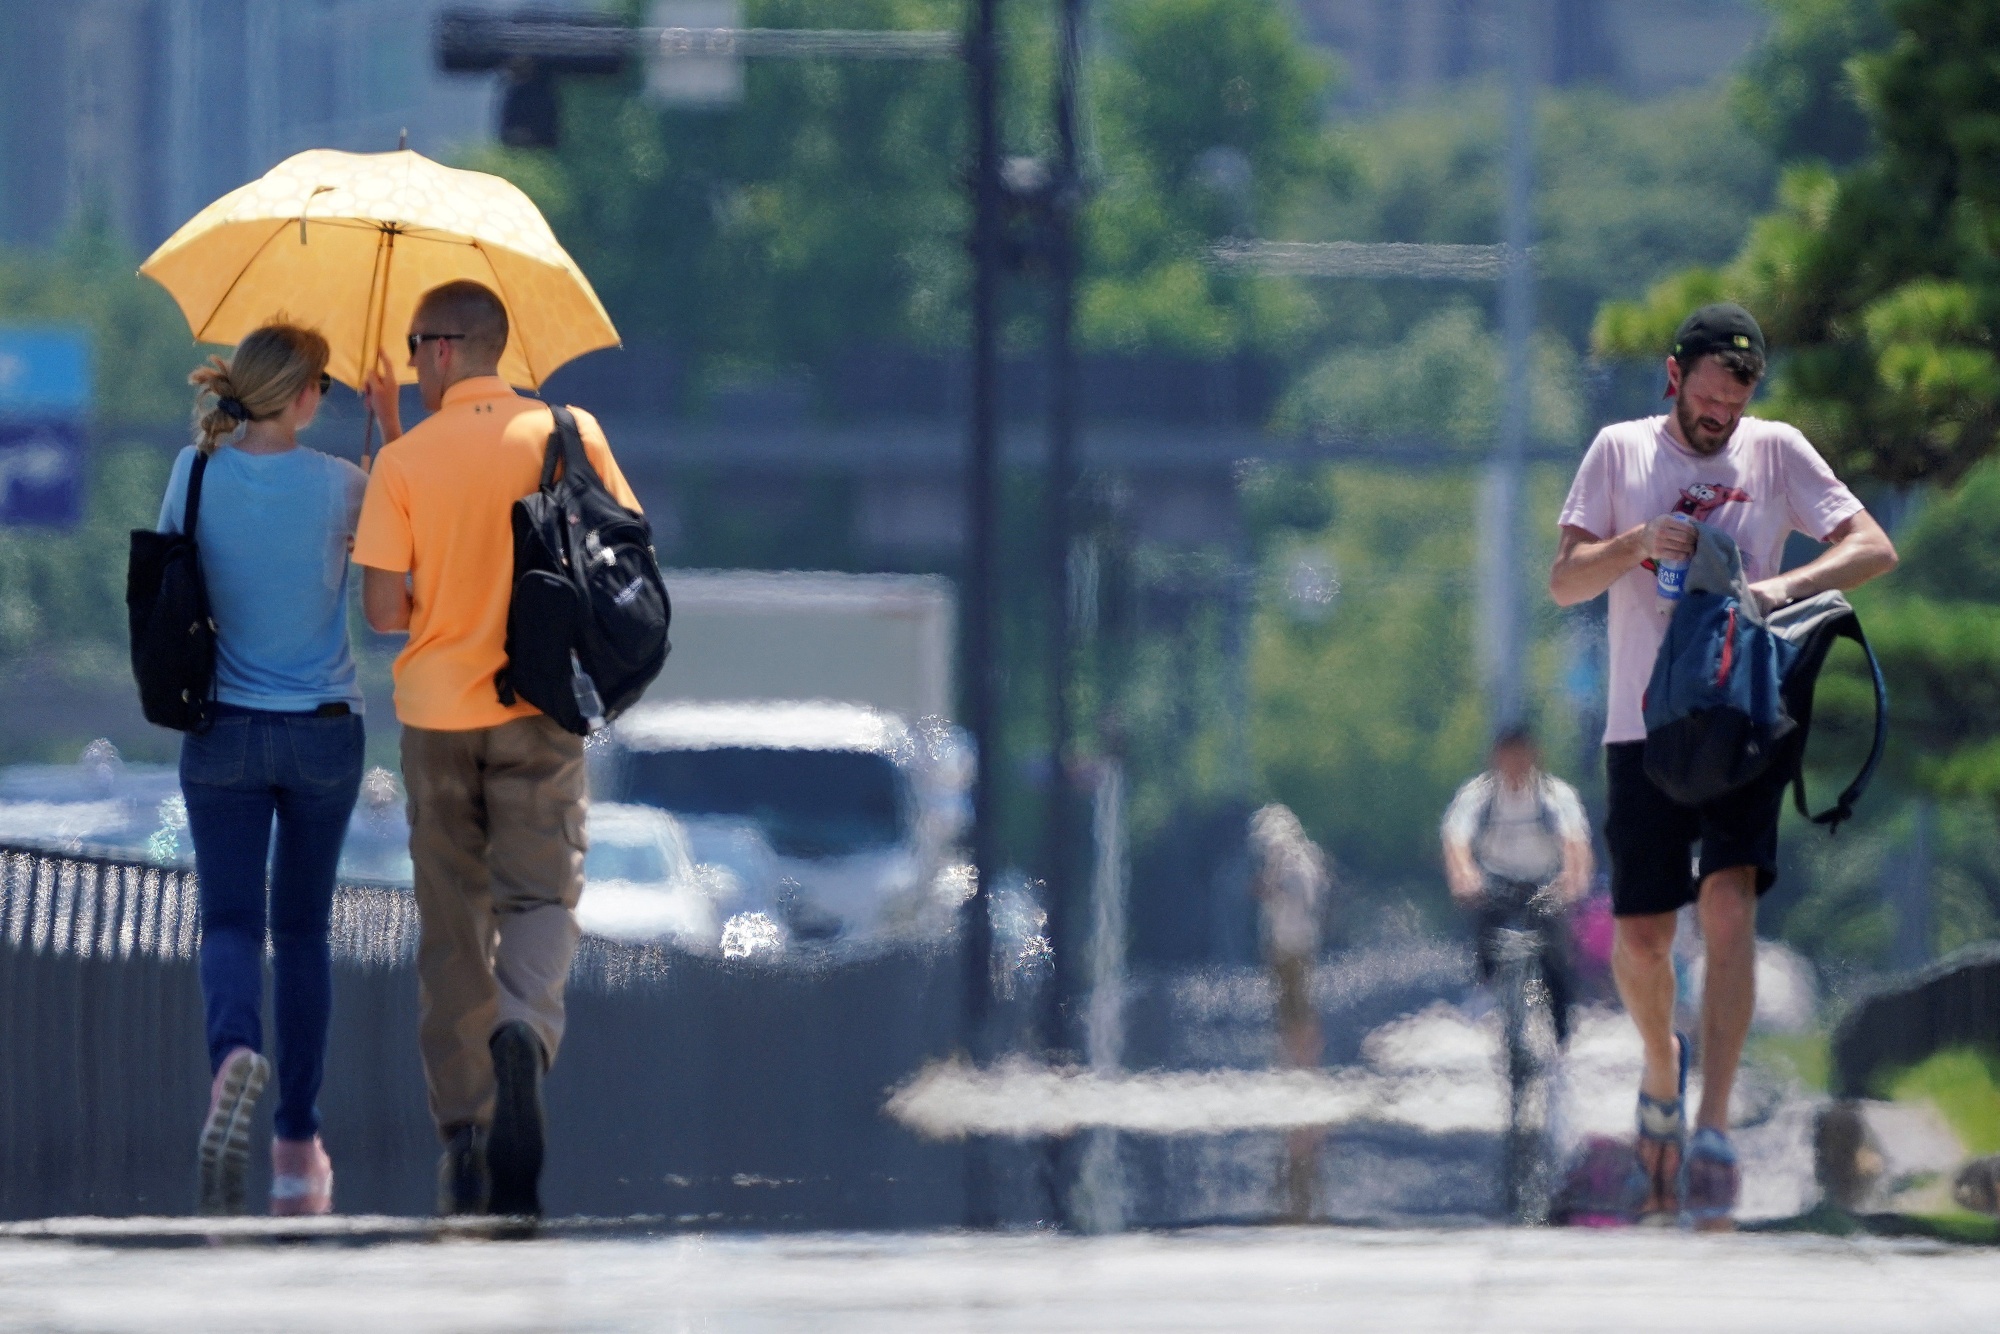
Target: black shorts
[1652,836]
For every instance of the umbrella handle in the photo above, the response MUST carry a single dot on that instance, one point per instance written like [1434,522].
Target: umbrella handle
[367,436]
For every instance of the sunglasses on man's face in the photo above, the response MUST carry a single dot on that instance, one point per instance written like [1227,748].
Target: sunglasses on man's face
[325,383]
[418,340]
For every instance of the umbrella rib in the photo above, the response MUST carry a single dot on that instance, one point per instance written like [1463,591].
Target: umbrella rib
[502,286]
[277,230]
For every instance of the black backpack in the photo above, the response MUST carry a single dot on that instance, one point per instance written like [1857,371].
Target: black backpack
[587,631]
[166,608]
[1811,625]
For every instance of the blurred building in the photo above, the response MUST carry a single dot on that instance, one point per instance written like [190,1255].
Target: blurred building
[141,111]
[1394,49]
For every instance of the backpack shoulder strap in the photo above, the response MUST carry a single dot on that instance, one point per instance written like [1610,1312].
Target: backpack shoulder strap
[192,513]
[566,443]
[1545,807]
[1847,626]
[1485,820]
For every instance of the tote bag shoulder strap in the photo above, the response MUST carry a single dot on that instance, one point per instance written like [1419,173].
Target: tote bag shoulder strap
[192,513]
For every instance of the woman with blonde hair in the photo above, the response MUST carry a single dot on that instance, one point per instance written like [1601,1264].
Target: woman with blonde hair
[275,521]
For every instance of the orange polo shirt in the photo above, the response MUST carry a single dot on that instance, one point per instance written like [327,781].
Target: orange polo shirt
[440,506]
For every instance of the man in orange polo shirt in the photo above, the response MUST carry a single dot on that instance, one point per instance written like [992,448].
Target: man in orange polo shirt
[496,791]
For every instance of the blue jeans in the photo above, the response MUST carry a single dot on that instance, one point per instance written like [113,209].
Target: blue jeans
[250,769]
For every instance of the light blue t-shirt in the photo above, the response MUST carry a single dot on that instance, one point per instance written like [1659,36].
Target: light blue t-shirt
[274,534]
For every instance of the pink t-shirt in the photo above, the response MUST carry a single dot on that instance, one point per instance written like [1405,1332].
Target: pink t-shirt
[1766,483]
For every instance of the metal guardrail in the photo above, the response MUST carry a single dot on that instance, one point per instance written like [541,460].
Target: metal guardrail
[98,905]
[94,907]
[728,1092]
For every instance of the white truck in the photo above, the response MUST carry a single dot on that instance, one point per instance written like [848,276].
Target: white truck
[801,731]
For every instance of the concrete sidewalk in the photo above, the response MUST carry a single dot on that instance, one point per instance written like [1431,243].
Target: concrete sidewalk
[1255,1279]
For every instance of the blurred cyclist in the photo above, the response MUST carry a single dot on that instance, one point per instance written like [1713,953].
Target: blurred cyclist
[1510,833]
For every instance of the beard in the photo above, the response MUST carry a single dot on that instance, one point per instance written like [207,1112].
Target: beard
[1704,435]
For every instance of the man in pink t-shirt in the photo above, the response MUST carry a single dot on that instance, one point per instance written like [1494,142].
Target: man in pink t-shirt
[1758,481]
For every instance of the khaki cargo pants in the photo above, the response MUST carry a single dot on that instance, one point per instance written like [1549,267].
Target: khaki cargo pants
[497,839]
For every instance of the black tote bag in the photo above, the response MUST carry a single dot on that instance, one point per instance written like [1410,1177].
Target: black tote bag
[173,635]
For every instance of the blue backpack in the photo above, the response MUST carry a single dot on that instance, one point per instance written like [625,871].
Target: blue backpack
[1732,691]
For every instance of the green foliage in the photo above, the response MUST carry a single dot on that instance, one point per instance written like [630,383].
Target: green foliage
[1625,192]
[1442,381]
[821,212]
[826,213]
[65,592]
[1878,283]
[1278,501]
[1963,1083]
[1805,1057]
[140,343]
[1189,94]
[1829,900]
[1797,91]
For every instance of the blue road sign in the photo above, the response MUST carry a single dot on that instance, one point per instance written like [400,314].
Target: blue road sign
[41,471]
[44,401]
[44,372]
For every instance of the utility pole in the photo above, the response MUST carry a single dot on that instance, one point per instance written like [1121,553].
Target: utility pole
[1061,999]
[982,56]
[1500,582]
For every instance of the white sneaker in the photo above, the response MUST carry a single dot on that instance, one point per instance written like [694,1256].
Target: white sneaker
[225,1136]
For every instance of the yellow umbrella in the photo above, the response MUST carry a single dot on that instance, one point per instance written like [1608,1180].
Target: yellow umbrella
[347,242]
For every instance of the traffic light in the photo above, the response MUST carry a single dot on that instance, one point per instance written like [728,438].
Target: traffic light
[530,106]
[530,48]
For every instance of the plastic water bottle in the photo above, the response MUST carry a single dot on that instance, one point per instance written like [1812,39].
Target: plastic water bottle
[1670,576]
[587,702]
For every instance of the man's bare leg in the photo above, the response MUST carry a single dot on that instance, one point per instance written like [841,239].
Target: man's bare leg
[1642,962]
[1728,911]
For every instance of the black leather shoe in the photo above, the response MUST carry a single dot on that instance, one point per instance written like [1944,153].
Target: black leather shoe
[514,1146]
[463,1184]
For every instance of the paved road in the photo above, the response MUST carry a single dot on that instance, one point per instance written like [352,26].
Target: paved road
[1261,1279]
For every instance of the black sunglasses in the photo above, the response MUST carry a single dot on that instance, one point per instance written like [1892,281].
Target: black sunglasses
[325,383]
[418,340]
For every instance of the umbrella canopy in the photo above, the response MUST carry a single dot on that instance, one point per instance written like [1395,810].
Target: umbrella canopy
[347,242]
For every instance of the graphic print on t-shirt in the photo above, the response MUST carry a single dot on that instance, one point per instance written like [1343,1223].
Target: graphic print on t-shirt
[1705,498]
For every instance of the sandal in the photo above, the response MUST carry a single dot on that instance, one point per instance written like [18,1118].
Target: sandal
[1654,1189]
[1709,1180]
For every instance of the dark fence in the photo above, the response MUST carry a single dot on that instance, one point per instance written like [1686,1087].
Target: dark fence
[701,1089]
[1953,1003]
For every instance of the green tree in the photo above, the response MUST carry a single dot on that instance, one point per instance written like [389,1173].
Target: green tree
[1878,284]
[1626,192]
[1442,381]
[1797,91]
[1209,122]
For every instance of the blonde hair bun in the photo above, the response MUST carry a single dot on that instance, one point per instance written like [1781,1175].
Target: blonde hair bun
[265,373]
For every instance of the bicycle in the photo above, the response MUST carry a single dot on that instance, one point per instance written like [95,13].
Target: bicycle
[1525,912]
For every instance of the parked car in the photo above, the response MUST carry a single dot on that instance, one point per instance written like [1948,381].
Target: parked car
[639,883]
[858,812]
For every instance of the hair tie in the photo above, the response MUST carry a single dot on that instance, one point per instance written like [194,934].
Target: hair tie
[233,408]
